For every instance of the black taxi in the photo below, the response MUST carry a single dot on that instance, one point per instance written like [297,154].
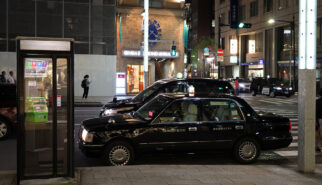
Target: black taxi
[199,86]
[181,123]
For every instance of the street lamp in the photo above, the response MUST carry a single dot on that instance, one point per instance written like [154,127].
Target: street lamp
[292,25]
[146,43]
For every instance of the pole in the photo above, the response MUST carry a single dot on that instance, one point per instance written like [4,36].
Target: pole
[307,85]
[146,43]
[294,58]
[290,57]
[219,42]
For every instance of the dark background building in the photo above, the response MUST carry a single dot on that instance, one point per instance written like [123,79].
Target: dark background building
[91,23]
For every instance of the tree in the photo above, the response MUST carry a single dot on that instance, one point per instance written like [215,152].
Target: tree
[207,42]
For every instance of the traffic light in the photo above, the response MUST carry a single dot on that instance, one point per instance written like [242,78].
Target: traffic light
[173,50]
[244,25]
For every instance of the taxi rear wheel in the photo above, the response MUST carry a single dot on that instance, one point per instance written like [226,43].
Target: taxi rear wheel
[246,150]
[119,153]
[5,129]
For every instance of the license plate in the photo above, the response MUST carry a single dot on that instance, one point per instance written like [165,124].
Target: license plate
[286,92]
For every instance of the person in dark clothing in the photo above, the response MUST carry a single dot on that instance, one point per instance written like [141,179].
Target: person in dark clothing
[85,86]
[3,79]
[318,114]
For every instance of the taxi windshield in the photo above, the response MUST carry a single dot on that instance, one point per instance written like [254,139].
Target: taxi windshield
[146,93]
[153,107]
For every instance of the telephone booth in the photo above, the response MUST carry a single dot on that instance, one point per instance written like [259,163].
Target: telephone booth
[45,108]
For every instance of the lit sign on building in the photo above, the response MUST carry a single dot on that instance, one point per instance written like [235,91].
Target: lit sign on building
[251,46]
[233,59]
[152,54]
[233,46]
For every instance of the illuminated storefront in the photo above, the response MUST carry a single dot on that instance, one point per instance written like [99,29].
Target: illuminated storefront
[166,25]
[255,69]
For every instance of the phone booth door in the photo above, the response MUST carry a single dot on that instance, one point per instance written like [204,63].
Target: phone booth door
[46,114]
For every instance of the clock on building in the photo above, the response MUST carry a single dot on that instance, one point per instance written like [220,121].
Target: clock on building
[155,32]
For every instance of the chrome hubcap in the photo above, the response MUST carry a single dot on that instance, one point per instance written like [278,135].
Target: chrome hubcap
[119,155]
[3,129]
[247,151]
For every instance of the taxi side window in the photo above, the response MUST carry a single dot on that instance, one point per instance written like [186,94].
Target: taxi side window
[176,88]
[216,110]
[180,111]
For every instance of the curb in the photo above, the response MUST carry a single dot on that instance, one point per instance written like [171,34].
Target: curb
[88,104]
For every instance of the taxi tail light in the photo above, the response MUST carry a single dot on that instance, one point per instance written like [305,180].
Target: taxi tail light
[290,126]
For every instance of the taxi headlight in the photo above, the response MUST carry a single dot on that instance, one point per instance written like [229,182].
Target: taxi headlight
[86,136]
[242,85]
[278,88]
[290,88]
[109,112]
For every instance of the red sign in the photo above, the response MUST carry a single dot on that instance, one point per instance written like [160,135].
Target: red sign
[220,52]
[121,76]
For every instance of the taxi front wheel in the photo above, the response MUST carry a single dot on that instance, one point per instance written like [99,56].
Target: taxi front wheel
[118,153]
[246,150]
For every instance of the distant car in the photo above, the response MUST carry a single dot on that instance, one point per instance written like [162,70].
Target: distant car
[8,110]
[200,86]
[185,124]
[244,85]
[270,87]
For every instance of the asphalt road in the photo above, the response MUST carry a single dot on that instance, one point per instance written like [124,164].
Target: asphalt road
[279,105]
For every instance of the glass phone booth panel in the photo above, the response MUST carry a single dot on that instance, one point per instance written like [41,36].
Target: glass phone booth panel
[62,115]
[42,115]
[38,116]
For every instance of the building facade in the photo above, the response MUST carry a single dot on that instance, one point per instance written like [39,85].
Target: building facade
[91,23]
[265,49]
[166,28]
[202,36]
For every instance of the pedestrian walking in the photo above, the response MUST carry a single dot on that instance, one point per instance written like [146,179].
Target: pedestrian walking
[237,86]
[3,79]
[318,127]
[85,86]
[11,79]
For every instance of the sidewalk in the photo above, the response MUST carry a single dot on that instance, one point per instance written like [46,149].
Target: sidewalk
[200,175]
[217,173]
[95,101]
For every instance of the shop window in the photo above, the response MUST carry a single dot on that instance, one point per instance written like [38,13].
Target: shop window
[223,43]
[254,8]
[282,4]
[242,13]
[259,42]
[268,5]
[222,18]
[135,78]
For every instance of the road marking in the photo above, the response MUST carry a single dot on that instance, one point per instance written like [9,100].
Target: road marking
[291,153]
[89,110]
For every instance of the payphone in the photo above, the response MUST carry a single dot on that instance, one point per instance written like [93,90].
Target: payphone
[45,107]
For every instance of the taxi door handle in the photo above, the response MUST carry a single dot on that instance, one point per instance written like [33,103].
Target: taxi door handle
[192,129]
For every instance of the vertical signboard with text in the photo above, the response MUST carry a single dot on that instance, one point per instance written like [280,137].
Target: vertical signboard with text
[233,13]
[120,84]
